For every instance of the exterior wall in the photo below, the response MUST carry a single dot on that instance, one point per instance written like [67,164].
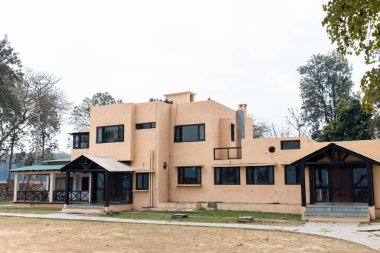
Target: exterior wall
[154,151]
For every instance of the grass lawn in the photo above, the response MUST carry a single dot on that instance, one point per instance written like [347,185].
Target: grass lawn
[35,210]
[215,216]
[6,202]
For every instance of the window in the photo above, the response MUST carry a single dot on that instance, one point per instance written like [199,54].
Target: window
[232,132]
[146,125]
[189,133]
[142,181]
[360,185]
[108,134]
[296,144]
[292,175]
[260,175]
[189,175]
[80,140]
[227,175]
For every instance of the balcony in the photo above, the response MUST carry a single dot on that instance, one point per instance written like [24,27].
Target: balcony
[227,153]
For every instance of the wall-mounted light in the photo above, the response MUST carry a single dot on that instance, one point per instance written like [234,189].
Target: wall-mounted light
[165,165]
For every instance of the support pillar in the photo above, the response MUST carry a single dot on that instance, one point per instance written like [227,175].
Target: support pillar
[371,201]
[15,186]
[51,187]
[106,189]
[90,188]
[303,188]
[67,187]
[311,185]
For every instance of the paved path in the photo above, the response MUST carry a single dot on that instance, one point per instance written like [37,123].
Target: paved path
[368,235]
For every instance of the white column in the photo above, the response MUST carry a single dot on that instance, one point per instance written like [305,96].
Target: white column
[51,187]
[15,187]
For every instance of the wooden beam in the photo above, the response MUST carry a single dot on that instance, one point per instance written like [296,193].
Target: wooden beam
[67,188]
[371,201]
[337,163]
[303,191]
[106,189]
[311,185]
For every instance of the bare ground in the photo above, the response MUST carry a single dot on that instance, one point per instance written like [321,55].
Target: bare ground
[37,235]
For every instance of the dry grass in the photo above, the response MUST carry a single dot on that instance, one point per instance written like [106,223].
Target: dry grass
[38,235]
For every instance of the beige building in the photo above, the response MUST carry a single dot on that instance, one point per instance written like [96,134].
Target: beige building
[185,154]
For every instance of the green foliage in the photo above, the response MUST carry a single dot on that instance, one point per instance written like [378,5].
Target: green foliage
[80,116]
[325,80]
[352,122]
[260,129]
[355,27]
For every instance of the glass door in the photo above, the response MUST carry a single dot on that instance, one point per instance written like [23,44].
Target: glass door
[322,191]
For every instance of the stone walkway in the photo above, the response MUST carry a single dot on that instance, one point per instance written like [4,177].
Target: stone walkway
[368,235]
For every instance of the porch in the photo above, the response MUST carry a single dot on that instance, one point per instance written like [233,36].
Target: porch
[339,183]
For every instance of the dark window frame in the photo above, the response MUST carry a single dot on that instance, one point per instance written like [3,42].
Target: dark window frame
[250,181]
[236,176]
[120,134]
[232,132]
[283,144]
[181,175]
[147,125]
[145,184]
[298,179]
[81,141]
[180,138]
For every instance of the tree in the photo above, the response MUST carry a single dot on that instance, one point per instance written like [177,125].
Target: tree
[352,122]
[50,104]
[80,116]
[12,96]
[355,27]
[260,129]
[325,80]
[297,122]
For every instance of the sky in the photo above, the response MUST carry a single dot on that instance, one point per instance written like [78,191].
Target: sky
[230,51]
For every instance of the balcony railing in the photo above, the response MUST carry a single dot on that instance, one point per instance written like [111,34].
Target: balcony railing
[227,153]
[73,196]
[32,196]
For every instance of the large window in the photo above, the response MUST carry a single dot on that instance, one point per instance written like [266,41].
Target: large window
[109,134]
[227,175]
[189,133]
[260,175]
[189,175]
[80,140]
[292,174]
[294,144]
[142,181]
[146,125]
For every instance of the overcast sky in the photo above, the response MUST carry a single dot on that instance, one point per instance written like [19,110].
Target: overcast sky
[232,51]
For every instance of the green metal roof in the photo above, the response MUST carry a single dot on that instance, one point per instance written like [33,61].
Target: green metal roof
[39,167]
[57,160]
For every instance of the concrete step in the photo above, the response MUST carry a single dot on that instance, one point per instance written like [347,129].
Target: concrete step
[337,211]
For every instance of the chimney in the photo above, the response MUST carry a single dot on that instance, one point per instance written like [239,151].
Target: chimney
[241,113]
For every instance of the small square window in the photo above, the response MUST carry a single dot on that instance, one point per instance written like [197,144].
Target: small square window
[142,181]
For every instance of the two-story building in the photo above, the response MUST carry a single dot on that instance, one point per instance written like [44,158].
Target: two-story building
[183,154]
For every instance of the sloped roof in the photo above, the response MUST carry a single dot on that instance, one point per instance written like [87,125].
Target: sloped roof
[39,167]
[108,163]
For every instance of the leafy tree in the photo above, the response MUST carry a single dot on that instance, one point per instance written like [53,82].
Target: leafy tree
[352,122]
[80,116]
[355,27]
[325,80]
[12,99]
[260,129]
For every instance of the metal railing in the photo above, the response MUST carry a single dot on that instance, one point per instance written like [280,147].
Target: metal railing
[78,196]
[32,196]
[227,153]
[6,194]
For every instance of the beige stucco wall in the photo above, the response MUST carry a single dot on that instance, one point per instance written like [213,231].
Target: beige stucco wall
[150,149]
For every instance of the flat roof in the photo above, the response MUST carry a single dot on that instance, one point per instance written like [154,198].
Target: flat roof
[179,93]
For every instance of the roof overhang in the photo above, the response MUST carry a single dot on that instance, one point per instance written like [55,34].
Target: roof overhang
[330,151]
[90,162]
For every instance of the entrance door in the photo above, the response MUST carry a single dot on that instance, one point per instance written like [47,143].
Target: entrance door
[341,184]
[99,187]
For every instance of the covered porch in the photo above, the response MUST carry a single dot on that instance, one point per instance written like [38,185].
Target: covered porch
[337,176]
[109,182]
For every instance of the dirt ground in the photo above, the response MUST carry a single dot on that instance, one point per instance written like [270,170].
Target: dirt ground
[39,235]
